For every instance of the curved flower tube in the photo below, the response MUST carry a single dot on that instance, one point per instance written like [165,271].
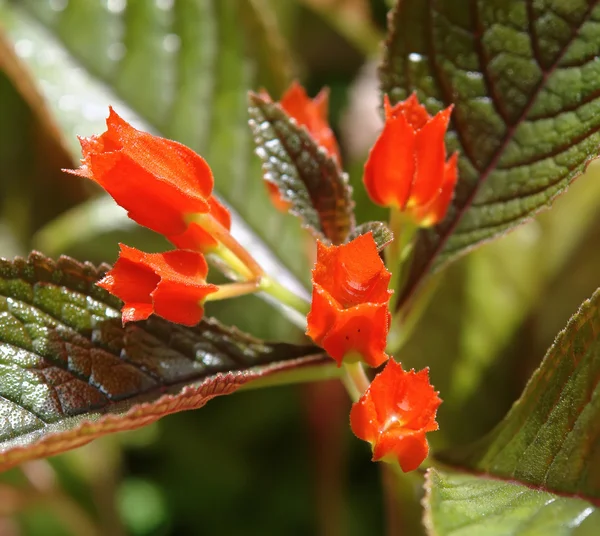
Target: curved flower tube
[158,181]
[407,167]
[349,315]
[171,285]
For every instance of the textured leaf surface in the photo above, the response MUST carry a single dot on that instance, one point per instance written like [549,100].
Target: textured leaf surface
[467,505]
[181,69]
[525,83]
[546,448]
[306,176]
[69,372]
[381,233]
[551,436]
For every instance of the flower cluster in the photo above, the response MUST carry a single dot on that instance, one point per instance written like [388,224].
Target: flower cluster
[168,188]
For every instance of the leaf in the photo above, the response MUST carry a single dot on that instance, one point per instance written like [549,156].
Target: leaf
[306,176]
[550,436]
[525,83]
[381,233]
[69,371]
[464,505]
[181,69]
[545,449]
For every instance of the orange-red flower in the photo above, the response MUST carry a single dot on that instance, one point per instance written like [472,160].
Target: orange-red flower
[311,114]
[158,181]
[407,167]
[349,312]
[171,285]
[395,413]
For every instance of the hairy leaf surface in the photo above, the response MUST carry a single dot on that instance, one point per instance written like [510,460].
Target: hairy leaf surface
[305,175]
[547,446]
[467,505]
[70,372]
[525,83]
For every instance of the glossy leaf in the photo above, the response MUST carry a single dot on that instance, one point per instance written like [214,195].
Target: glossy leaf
[70,372]
[468,505]
[381,233]
[306,176]
[526,87]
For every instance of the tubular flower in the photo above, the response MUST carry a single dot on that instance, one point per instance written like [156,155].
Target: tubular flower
[171,285]
[394,415]
[311,114]
[407,167]
[158,181]
[349,313]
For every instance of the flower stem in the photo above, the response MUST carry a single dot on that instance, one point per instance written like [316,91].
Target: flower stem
[355,380]
[233,290]
[284,295]
[399,252]
[222,234]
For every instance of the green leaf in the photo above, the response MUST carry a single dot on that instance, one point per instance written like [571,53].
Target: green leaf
[181,69]
[525,83]
[550,437]
[70,372]
[469,505]
[546,449]
[305,175]
[381,233]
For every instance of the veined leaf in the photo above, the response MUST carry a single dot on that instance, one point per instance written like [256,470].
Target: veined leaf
[546,447]
[381,233]
[469,505]
[306,176]
[550,436]
[69,371]
[525,83]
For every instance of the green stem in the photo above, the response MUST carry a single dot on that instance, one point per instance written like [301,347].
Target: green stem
[399,252]
[355,380]
[284,295]
[233,290]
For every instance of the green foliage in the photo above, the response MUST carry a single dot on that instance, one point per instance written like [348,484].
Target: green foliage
[460,504]
[523,78]
[305,175]
[381,233]
[549,438]
[546,448]
[70,372]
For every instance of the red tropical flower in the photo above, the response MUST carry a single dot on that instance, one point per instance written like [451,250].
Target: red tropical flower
[158,181]
[349,312]
[313,115]
[407,167]
[171,285]
[395,413]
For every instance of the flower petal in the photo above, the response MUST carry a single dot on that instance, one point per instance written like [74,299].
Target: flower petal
[390,168]
[395,413]
[430,154]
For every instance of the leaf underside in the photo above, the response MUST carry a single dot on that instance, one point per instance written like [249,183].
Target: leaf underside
[525,83]
[70,372]
[305,175]
[381,233]
[545,452]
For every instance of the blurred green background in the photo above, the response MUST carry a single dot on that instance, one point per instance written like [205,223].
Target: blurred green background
[280,460]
